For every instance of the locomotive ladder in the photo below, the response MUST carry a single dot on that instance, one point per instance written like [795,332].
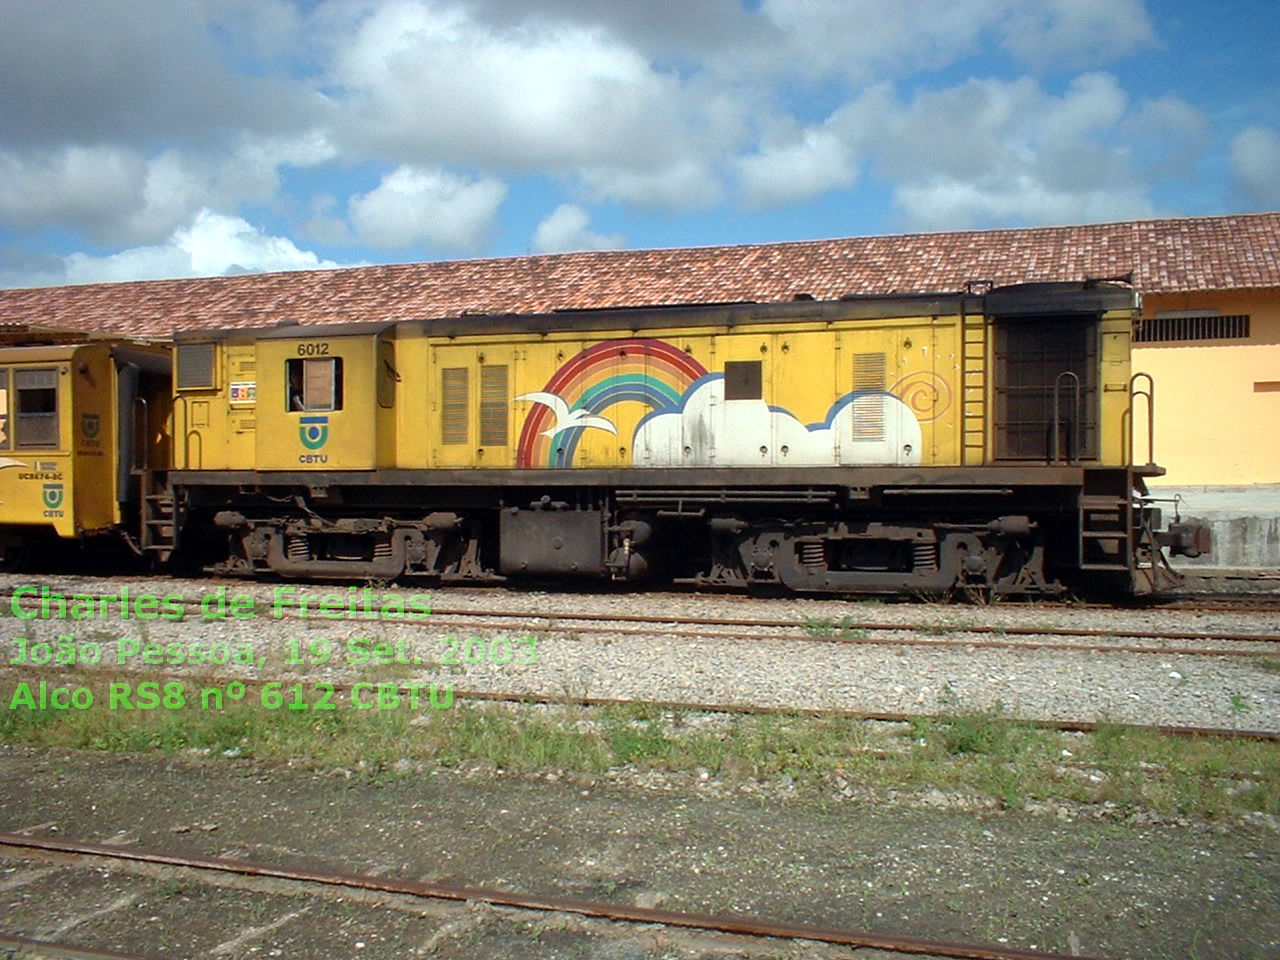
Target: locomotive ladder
[1109,515]
[1106,521]
[973,388]
[158,525]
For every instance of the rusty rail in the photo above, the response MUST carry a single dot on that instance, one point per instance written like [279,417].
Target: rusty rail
[501,898]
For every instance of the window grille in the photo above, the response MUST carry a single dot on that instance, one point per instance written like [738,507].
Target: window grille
[1203,327]
[868,409]
[195,366]
[454,404]
[494,404]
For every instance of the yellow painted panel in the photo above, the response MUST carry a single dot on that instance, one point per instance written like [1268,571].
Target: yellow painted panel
[317,403]
[92,425]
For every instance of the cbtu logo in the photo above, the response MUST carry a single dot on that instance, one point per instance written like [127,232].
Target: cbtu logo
[90,425]
[53,496]
[314,432]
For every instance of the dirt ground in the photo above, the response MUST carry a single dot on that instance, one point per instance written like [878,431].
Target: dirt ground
[924,866]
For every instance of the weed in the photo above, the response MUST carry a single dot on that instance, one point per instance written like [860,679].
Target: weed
[819,627]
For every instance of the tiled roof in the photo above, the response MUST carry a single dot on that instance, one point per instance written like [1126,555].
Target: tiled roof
[1165,256]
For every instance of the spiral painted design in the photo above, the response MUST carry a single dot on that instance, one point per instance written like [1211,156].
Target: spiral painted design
[926,393]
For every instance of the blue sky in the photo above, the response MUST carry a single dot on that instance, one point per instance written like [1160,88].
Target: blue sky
[142,139]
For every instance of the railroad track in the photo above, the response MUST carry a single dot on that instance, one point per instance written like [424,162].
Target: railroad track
[845,629]
[304,879]
[740,657]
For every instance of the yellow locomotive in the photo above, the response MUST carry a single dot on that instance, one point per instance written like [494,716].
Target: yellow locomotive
[990,439]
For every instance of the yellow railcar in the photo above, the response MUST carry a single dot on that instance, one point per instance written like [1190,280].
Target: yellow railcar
[918,442]
[83,443]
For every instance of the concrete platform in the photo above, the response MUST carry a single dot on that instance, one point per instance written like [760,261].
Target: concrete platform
[1245,521]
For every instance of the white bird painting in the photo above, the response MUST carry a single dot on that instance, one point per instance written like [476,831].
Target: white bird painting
[566,418]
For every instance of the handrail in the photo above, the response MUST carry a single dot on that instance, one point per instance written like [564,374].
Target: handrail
[187,434]
[141,428]
[1073,453]
[1150,394]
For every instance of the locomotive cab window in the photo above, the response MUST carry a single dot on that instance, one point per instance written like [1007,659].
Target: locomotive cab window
[313,384]
[37,408]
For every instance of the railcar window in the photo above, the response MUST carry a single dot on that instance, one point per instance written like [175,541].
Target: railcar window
[494,405]
[313,384]
[37,408]
[743,380]
[455,404]
[4,409]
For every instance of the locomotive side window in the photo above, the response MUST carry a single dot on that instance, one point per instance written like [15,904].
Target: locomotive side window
[313,384]
[743,380]
[4,409]
[37,408]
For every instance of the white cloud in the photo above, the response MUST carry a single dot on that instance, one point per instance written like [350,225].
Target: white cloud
[1071,33]
[1169,134]
[429,78]
[942,202]
[567,228]
[797,171]
[688,184]
[119,196]
[213,245]
[1255,164]
[90,186]
[867,40]
[415,205]
[996,151]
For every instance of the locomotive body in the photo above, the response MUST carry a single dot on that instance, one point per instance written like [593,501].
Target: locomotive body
[906,442]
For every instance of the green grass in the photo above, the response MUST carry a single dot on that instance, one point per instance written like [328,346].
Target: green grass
[978,753]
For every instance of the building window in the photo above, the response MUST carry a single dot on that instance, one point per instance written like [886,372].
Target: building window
[314,384]
[37,408]
[743,380]
[1166,328]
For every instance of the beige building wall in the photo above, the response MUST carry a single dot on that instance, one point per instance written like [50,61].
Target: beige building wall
[1217,402]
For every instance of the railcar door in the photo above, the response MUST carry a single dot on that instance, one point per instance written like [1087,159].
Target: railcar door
[1045,388]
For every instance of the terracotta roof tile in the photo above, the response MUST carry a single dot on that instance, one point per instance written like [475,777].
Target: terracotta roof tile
[1165,256]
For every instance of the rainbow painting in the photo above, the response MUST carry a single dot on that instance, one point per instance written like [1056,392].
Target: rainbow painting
[651,372]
